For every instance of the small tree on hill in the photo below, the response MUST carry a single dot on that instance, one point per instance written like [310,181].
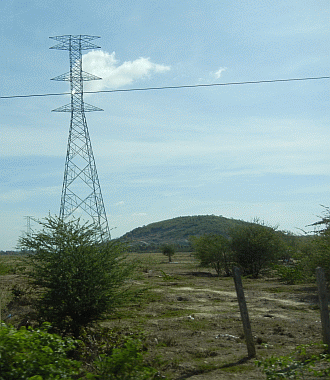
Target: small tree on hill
[213,251]
[169,251]
[81,280]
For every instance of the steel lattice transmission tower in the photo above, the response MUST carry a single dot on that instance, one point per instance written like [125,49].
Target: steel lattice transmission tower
[81,188]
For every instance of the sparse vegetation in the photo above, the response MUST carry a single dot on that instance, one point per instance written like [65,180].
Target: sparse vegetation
[195,315]
[182,321]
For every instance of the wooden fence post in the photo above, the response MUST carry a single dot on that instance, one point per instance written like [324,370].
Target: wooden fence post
[323,298]
[244,313]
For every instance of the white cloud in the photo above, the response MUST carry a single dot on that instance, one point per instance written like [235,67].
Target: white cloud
[120,203]
[114,74]
[218,73]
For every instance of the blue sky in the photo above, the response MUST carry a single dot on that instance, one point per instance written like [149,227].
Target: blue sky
[238,151]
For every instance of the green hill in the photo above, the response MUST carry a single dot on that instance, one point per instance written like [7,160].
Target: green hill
[178,230]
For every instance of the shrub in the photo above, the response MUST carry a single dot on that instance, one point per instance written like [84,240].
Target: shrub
[255,246]
[35,355]
[302,363]
[290,274]
[125,363]
[213,251]
[316,252]
[81,280]
[169,251]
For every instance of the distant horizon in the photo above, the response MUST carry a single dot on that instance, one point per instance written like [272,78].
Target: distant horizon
[187,216]
[254,150]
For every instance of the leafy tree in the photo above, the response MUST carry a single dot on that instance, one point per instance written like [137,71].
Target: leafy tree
[169,251]
[81,280]
[213,251]
[255,246]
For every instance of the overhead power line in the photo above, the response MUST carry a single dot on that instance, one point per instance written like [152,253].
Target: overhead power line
[170,87]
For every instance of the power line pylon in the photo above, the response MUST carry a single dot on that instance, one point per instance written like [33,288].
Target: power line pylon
[29,229]
[81,188]
[28,226]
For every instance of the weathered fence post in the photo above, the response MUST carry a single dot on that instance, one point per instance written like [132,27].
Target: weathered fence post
[244,313]
[323,298]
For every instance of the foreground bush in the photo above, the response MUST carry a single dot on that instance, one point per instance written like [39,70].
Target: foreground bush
[125,363]
[81,280]
[35,355]
[28,354]
[305,362]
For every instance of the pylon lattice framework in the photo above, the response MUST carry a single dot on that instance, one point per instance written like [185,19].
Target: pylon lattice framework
[81,188]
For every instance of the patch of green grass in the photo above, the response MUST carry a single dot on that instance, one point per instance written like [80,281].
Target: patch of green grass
[239,368]
[203,367]
[170,313]
[208,353]
[279,289]
[196,324]
[291,307]
[167,341]
[6,268]
[305,361]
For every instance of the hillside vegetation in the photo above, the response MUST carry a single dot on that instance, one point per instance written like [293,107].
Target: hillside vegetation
[177,231]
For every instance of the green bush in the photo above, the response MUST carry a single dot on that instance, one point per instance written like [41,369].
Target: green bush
[319,255]
[125,363]
[303,363]
[80,280]
[255,247]
[316,251]
[213,251]
[35,355]
[290,274]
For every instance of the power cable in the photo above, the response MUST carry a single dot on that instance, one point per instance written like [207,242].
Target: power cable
[170,87]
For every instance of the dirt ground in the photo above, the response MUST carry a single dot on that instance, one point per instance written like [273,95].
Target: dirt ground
[191,321]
